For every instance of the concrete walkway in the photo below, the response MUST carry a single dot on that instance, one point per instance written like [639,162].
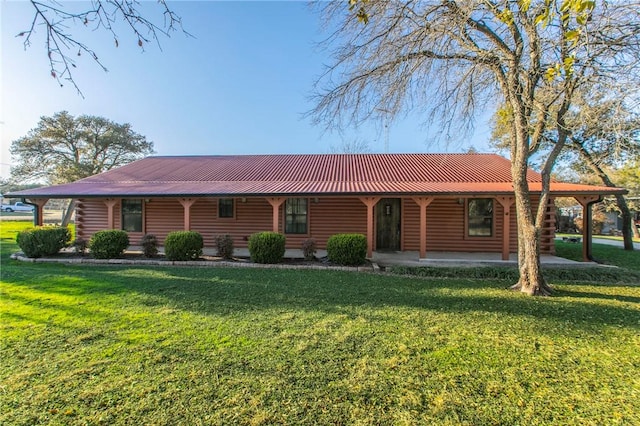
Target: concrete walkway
[435,258]
[458,259]
[616,243]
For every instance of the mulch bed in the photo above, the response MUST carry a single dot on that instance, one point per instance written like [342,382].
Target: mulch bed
[132,257]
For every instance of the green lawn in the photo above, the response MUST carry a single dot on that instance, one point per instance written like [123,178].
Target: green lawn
[605,254]
[145,345]
[604,237]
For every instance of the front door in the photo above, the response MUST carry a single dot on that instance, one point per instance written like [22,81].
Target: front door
[388,224]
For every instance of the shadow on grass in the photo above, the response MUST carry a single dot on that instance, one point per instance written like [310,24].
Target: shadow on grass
[220,291]
[593,295]
[590,274]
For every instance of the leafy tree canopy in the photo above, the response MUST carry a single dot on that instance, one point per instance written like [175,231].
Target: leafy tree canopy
[629,177]
[64,148]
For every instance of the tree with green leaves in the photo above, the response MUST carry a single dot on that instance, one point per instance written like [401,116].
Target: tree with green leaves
[603,133]
[451,59]
[629,177]
[64,148]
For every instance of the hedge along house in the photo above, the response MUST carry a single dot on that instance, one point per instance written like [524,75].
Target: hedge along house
[401,202]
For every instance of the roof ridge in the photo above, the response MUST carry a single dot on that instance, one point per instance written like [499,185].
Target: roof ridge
[364,154]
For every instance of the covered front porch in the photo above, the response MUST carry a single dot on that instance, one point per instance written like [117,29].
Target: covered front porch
[424,226]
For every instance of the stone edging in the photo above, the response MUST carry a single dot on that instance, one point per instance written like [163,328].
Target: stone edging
[201,263]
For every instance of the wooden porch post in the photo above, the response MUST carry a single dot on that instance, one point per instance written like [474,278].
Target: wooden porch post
[423,202]
[506,203]
[370,202]
[110,202]
[186,205]
[38,218]
[586,201]
[276,202]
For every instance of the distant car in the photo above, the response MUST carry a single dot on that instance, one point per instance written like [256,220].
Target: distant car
[17,207]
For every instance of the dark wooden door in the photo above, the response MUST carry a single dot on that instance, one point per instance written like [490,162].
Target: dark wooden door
[388,224]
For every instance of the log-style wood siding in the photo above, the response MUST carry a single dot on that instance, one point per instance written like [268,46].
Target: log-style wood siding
[252,215]
[164,215]
[327,216]
[91,217]
[446,230]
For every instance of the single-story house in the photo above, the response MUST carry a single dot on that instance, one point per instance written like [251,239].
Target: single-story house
[401,202]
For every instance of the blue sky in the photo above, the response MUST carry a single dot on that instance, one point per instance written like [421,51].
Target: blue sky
[241,85]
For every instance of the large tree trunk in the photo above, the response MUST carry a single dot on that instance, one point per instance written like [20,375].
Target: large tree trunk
[68,213]
[531,280]
[627,222]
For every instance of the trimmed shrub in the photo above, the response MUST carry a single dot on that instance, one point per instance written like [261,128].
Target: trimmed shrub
[224,244]
[149,244]
[183,245]
[108,244]
[267,247]
[43,241]
[309,248]
[347,249]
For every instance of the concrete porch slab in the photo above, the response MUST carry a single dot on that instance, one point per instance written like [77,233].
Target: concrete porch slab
[434,258]
[462,259]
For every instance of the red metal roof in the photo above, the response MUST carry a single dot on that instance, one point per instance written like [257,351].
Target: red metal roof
[310,174]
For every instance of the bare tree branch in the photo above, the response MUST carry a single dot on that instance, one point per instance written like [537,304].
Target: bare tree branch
[64,47]
[448,59]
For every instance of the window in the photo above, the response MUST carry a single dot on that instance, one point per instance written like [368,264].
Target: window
[132,215]
[296,216]
[225,207]
[480,217]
